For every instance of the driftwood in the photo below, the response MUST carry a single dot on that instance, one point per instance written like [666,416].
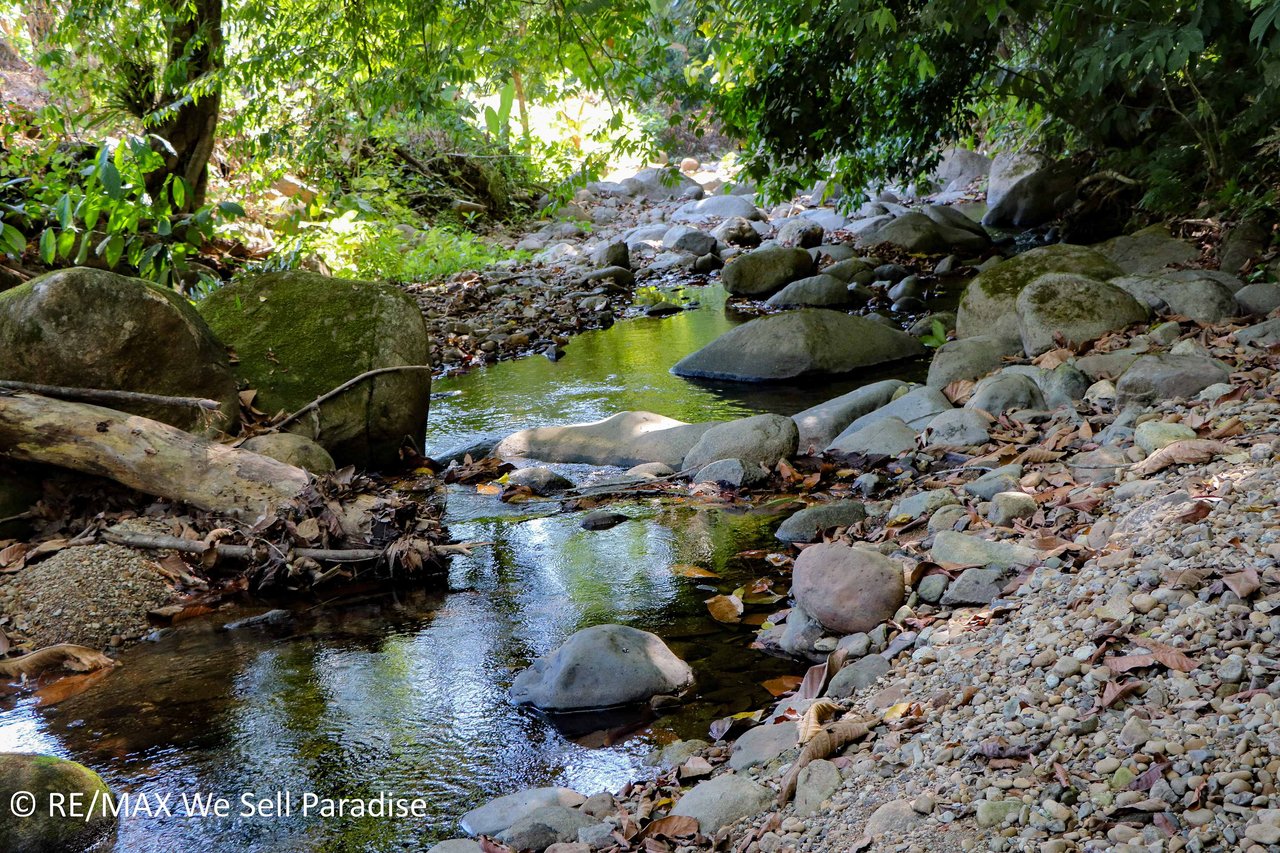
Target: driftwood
[62,656]
[238,552]
[146,455]
[103,395]
[350,383]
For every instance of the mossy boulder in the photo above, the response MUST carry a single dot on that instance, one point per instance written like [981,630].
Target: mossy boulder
[88,328]
[987,307]
[52,780]
[1074,308]
[299,335]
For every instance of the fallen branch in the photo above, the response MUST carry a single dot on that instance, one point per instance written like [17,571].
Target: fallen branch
[350,383]
[64,655]
[158,542]
[104,395]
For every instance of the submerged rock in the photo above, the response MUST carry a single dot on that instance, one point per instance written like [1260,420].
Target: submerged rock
[604,666]
[807,342]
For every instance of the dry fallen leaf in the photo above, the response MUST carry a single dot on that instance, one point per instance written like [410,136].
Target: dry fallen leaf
[782,685]
[1116,690]
[1187,451]
[686,570]
[725,608]
[819,713]
[1243,583]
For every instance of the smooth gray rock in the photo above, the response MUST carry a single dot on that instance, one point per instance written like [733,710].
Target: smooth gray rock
[686,239]
[816,291]
[850,268]
[498,814]
[651,469]
[893,819]
[1004,392]
[456,845]
[1203,299]
[717,207]
[799,633]
[889,436]
[1109,365]
[799,231]
[1073,306]
[603,666]
[932,587]
[817,782]
[1166,376]
[963,549]
[959,428]
[989,304]
[974,586]
[761,438]
[1062,386]
[958,169]
[1261,297]
[819,425]
[857,676]
[545,826]
[847,589]
[917,232]
[1007,507]
[624,439]
[766,270]
[951,217]
[541,481]
[735,473]
[1262,334]
[1026,190]
[737,231]
[809,523]
[968,358]
[615,254]
[808,342]
[1002,479]
[660,185]
[923,503]
[292,449]
[1148,250]
[718,802]
[762,744]
[916,407]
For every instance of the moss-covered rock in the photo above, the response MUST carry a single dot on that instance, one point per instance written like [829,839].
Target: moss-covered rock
[987,307]
[51,781]
[299,335]
[1073,307]
[90,328]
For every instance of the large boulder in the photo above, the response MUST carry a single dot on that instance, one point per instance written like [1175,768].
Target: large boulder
[820,424]
[1203,299]
[88,328]
[760,438]
[299,335]
[808,342]
[816,291]
[1026,190]
[1148,250]
[958,169]
[659,184]
[1073,307]
[624,440]
[968,358]
[50,780]
[917,232]
[1167,376]
[846,588]
[604,666]
[715,208]
[764,271]
[989,302]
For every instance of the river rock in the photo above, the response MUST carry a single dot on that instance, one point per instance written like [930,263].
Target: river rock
[807,342]
[847,589]
[1148,250]
[816,290]
[660,185]
[809,523]
[918,233]
[1166,376]
[1264,334]
[1203,299]
[291,449]
[1004,392]
[799,231]
[737,231]
[299,335]
[1002,479]
[923,503]
[799,633]
[1062,386]
[762,744]
[989,304]
[890,436]
[615,254]
[544,826]
[760,438]
[539,480]
[958,427]
[1073,306]
[952,217]
[716,207]
[973,587]
[963,549]
[761,272]
[89,328]
[624,439]
[456,845]
[852,270]
[916,407]
[604,666]
[686,239]
[958,169]
[819,425]
[968,358]
[735,473]
[1008,507]
[43,776]
[893,819]
[1153,435]
[817,782]
[499,813]
[857,676]
[1261,297]
[602,519]
[718,802]
[1025,190]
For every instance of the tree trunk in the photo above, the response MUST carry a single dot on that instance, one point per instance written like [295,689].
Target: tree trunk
[145,455]
[191,130]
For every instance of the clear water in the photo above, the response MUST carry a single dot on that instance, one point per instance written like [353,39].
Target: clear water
[405,694]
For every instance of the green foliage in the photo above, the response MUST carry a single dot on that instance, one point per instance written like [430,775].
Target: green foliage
[937,335]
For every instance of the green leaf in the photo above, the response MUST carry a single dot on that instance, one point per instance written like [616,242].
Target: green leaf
[110,177]
[48,246]
[230,209]
[178,189]
[115,247]
[62,210]
[14,242]
[491,122]
[66,241]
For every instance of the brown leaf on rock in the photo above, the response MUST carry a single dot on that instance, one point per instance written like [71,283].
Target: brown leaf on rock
[1053,358]
[725,608]
[1168,655]
[1198,510]
[671,826]
[1187,451]
[1149,777]
[1114,691]
[959,391]
[1243,583]
[1124,663]
[13,557]
[488,845]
